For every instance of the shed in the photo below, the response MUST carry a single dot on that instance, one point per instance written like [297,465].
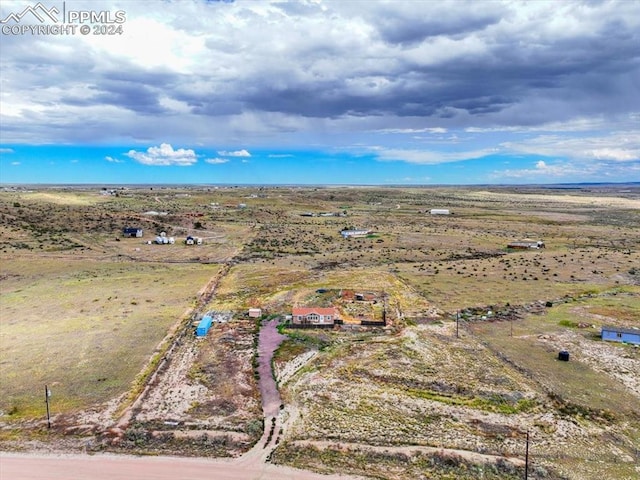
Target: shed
[439,211]
[255,312]
[619,334]
[204,326]
[133,232]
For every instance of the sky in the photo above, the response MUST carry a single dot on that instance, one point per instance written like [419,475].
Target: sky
[366,92]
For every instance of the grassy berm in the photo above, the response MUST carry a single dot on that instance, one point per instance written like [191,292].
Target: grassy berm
[465,369]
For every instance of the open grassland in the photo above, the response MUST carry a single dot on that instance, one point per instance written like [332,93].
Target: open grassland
[85,328]
[56,197]
[88,224]
[84,310]
[277,288]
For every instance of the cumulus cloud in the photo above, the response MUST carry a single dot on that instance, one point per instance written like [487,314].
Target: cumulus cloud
[236,153]
[113,160]
[216,161]
[6,150]
[617,154]
[164,155]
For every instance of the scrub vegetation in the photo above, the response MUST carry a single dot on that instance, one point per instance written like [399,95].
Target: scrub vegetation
[466,365]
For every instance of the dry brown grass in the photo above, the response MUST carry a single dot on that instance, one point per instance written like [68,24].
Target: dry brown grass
[409,385]
[64,322]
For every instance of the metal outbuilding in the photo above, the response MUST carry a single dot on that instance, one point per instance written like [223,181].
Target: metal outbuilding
[619,334]
[133,232]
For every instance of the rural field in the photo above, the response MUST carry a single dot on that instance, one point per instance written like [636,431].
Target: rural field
[461,371]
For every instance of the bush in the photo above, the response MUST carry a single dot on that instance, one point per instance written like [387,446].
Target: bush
[567,323]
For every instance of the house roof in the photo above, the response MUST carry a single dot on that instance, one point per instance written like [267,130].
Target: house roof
[320,311]
[632,331]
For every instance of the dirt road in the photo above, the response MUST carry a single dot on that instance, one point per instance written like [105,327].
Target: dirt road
[15,466]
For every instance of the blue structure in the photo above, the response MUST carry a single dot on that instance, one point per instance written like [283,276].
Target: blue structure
[204,326]
[617,334]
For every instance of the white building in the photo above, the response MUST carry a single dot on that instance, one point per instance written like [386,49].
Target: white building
[354,233]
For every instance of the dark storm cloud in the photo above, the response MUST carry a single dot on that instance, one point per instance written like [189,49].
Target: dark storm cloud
[137,97]
[410,27]
[211,69]
[448,63]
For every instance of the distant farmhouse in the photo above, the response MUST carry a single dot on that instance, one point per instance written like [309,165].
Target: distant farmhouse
[132,232]
[526,244]
[314,316]
[323,214]
[617,334]
[354,233]
[439,211]
[191,240]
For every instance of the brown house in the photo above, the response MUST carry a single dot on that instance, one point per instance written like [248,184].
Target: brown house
[314,316]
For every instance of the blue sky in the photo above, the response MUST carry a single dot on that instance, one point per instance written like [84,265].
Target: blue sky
[323,92]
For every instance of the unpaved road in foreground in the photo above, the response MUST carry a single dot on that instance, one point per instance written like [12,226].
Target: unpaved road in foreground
[15,466]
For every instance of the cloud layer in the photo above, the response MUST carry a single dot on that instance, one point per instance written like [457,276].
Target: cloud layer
[413,81]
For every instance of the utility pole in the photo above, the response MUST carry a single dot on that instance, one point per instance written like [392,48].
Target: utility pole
[526,459]
[47,394]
